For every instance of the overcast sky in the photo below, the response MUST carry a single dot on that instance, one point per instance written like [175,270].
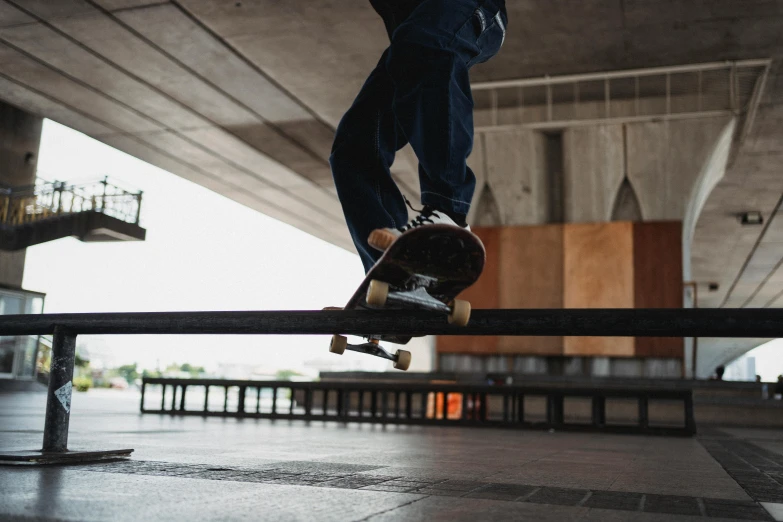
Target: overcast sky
[202,252]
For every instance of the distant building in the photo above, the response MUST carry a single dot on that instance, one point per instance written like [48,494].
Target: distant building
[19,354]
[741,369]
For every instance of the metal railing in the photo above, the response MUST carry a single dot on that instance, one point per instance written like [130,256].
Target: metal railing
[751,323]
[659,93]
[425,404]
[44,200]
[607,322]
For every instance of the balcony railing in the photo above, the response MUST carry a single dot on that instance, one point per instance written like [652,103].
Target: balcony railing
[45,200]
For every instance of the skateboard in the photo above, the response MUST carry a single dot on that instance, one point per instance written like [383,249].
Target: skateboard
[424,269]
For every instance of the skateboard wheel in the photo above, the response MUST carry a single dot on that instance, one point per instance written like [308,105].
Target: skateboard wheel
[403,360]
[460,313]
[377,293]
[338,344]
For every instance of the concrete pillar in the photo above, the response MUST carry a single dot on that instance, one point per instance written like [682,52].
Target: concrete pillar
[20,137]
[594,164]
[512,185]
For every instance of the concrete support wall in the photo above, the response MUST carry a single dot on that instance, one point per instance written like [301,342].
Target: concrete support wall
[665,160]
[512,185]
[654,164]
[20,137]
[593,158]
[642,171]
[635,172]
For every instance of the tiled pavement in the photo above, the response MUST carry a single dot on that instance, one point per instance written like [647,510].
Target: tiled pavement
[207,469]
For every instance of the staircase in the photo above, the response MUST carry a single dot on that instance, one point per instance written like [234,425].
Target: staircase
[98,211]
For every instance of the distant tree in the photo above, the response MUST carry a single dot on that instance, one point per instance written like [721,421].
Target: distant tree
[285,375]
[81,362]
[82,384]
[82,369]
[129,372]
[175,369]
[194,371]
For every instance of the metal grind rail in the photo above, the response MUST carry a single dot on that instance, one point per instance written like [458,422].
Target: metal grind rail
[623,322]
[424,404]
[762,323]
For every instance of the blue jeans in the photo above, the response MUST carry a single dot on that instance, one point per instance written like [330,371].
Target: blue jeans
[419,93]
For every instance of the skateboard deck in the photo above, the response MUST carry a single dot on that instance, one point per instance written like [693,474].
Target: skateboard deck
[425,268]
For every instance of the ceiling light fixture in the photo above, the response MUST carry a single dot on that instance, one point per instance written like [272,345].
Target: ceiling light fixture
[753,217]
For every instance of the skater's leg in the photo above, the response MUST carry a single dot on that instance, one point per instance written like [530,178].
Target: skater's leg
[428,62]
[364,148]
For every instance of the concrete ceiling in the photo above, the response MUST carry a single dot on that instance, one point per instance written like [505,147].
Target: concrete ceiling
[243,96]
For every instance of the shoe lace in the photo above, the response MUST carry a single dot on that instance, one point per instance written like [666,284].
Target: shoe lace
[422,219]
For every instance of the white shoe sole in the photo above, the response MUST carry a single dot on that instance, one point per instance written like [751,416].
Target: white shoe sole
[382,238]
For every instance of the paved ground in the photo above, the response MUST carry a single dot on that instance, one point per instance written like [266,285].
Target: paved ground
[212,469]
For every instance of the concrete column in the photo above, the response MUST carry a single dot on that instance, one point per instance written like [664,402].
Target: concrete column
[20,137]
[594,170]
[665,160]
[512,186]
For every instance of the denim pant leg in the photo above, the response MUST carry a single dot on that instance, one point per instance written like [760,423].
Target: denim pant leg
[364,148]
[428,61]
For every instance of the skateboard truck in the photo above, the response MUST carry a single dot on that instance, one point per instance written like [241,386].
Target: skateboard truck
[339,343]
[416,296]
[401,359]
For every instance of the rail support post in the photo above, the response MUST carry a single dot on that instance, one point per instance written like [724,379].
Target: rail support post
[58,398]
[58,413]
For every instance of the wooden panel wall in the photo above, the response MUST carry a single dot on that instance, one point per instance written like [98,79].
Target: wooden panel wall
[657,259]
[483,294]
[598,266]
[605,265]
[531,268]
